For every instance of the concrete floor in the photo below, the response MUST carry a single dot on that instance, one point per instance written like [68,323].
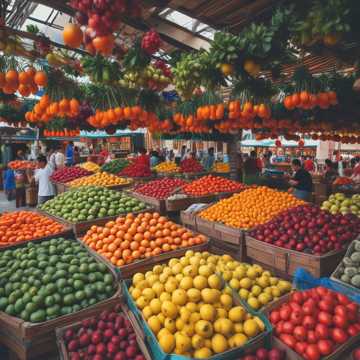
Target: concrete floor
[6,205]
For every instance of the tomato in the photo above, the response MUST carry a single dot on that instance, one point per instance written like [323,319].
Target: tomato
[352,309]
[309,322]
[300,333]
[325,318]
[312,352]
[275,317]
[300,347]
[297,297]
[340,310]
[327,306]
[288,340]
[279,327]
[312,337]
[288,327]
[285,312]
[342,299]
[296,317]
[353,330]
[322,291]
[309,307]
[339,335]
[295,306]
[325,347]
[322,331]
[340,321]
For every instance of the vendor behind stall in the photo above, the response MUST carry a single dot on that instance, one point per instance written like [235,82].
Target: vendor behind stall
[301,181]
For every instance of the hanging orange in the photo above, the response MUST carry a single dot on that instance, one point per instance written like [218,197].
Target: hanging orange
[44,101]
[74,105]
[72,35]
[34,88]
[24,78]
[304,97]
[9,89]
[288,103]
[12,77]
[24,90]
[31,72]
[104,44]
[295,99]
[64,105]
[40,78]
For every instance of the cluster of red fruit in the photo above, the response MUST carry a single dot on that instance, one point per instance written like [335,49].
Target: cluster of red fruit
[108,336]
[316,321]
[211,184]
[151,42]
[309,229]
[305,100]
[160,188]
[190,166]
[264,354]
[161,64]
[69,173]
[136,170]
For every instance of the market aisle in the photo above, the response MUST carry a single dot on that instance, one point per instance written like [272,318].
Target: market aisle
[6,205]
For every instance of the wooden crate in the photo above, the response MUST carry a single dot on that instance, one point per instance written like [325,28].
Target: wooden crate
[23,331]
[230,234]
[67,232]
[182,204]
[140,337]
[157,204]
[188,219]
[287,261]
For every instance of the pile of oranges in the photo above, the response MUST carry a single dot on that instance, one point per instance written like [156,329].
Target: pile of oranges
[25,82]
[45,109]
[141,236]
[306,100]
[212,185]
[99,179]
[22,165]
[251,207]
[25,226]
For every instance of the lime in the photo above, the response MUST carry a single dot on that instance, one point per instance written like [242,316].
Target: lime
[38,316]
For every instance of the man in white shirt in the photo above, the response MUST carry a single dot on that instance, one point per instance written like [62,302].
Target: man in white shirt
[42,177]
[59,158]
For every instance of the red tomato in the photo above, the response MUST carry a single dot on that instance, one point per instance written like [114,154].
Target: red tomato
[285,312]
[352,310]
[326,347]
[353,330]
[322,331]
[340,310]
[300,347]
[325,318]
[288,340]
[309,322]
[312,337]
[275,317]
[300,333]
[279,327]
[312,352]
[288,327]
[295,306]
[327,306]
[340,321]
[296,317]
[322,291]
[342,299]
[309,307]
[339,335]
[297,297]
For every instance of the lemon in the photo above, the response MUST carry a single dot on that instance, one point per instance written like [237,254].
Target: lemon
[260,323]
[147,312]
[190,270]
[238,328]
[136,293]
[161,318]
[141,302]
[275,292]
[221,313]
[264,298]
[204,328]
[194,317]
[208,312]
[191,306]
[223,326]
[227,275]
[210,296]
[148,294]
[137,278]
[179,277]
[244,294]
[251,273]
[239,340]
[237,314]
[194,295]
[171,285]
[186,283]
[202,353]
[162,332]
[245,283]
[188,329]
[182,342]
[219,343]
[274,281]
[157,269]
[167,342]
[179,297]
[173,262]
[163,278]
[251,328]
[177,268]
[154,324]
[263,281]
[169,309]
[235,284]
[254,303]
[184,261]
[155,305]
[284,286]
[197,342]
[185,314]
[170,325]
[205,270]
[200,282]
[165,296]
[179,323]
[215,282]
[228,290]
[226,301]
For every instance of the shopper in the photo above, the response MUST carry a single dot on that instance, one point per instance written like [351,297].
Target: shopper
[301,181]
[59,158]
[42,177]
[251,169]
[330,173]
[309,164]
[9,183]
[154,159]
[143,158]
[69,151]
[20,180]
[76,155]
[209,160]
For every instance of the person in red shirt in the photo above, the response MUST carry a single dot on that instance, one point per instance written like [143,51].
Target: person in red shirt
[143,158]
[309,164]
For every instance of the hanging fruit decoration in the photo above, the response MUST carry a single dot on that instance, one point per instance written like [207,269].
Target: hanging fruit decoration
[301,143]
[277,143]
[72,35]
[151,42]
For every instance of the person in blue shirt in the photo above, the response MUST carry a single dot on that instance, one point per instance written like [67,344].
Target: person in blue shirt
[70,154]
[9,183]
[154,159]
[209,160]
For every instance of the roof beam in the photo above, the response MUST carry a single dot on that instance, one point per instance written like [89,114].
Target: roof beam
[170,33]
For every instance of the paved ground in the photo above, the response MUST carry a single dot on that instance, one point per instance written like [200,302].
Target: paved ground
[6,205]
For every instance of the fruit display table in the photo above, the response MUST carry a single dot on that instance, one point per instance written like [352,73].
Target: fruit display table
[48,299]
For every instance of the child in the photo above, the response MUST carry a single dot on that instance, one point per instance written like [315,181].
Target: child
[9,183]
